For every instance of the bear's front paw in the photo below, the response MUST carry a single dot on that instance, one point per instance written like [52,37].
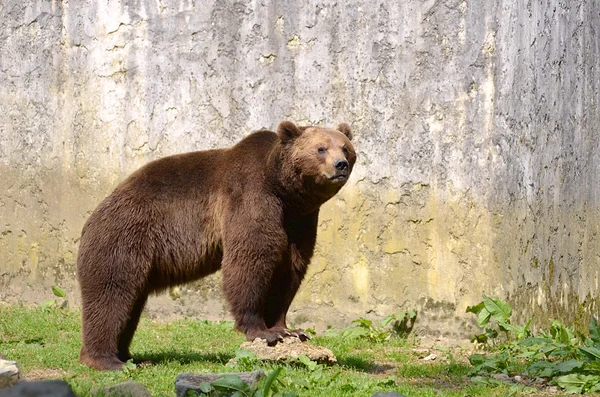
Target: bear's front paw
[298,333]
[271,336]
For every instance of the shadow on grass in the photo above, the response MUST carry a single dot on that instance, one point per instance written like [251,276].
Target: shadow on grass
[182,358]
[357,363]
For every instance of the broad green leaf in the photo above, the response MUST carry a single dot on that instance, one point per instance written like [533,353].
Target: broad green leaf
[231,382]
[269,381]
[592,367]
[596,385]
[481,338]
[527,354]
[542,366]
[205,387]
[355,332]
[498,308]
[363,322]
[525,331]
[475,309]
[573,383]
[483,318]
[412,314]
[477,359]
[509,328]
[245,353]
[595,331]
[398,317]
[569,366]
[591,352]
[58,291]
[311,365]
[560,333]
[130,365]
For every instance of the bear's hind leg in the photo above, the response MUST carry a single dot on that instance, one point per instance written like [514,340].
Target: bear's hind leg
[106,317]
[127,335]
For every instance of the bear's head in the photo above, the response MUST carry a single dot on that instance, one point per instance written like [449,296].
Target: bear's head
[322,157]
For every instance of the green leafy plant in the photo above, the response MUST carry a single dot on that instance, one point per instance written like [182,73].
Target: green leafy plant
[54,303]
[244,359]
[399,324]
[234,386]
[494,308]
[565,357]
[317,376]
[129,367]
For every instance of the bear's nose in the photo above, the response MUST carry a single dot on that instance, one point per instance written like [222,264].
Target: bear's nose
[341,165]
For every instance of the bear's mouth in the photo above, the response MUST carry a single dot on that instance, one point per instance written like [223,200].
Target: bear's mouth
[339,178]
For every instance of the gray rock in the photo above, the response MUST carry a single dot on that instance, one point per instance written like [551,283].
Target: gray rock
[125,389]
[388,394]
[291,348]
[9,373]
[518,378]
[42,388]
[185,382]
[502,377]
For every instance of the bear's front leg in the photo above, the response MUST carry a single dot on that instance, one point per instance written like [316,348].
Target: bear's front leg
[252,251]
[302,232]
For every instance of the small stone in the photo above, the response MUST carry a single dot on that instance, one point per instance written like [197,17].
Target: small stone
[430,357]
[388,394]
[502,377]
[185,382]
[553,389]
[9,373]
[290,348]
[41,388]
[518,378]
[125,389]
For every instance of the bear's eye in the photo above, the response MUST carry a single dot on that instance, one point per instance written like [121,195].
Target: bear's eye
[322,150]
[345,150]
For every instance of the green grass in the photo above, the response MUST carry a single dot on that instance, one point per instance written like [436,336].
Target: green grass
[46,343]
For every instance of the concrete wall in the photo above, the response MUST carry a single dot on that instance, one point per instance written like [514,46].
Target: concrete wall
[476,124]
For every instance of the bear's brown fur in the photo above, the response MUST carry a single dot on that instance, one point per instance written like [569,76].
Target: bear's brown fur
[250,210]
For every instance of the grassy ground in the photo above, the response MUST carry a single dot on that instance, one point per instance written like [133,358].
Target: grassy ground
[46,342]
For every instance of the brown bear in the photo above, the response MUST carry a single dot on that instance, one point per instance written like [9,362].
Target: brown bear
[250,210]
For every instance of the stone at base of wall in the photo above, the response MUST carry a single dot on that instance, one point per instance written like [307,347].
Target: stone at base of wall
[44,388]
[125,389]
[186,382]
[9,373]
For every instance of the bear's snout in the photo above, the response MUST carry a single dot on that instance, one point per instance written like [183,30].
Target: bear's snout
[341,165]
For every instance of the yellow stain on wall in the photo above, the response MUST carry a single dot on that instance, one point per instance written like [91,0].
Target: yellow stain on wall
[360,277]
[34,259]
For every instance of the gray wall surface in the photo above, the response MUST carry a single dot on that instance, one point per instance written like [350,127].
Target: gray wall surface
[476,125]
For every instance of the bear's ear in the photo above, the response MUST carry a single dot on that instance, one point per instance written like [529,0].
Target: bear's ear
[288,131]
[345,129]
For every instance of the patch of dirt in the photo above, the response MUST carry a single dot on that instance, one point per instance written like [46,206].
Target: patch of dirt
[290,348]
[46,373]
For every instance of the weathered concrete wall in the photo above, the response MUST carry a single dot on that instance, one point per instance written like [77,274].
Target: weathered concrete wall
[476,122]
